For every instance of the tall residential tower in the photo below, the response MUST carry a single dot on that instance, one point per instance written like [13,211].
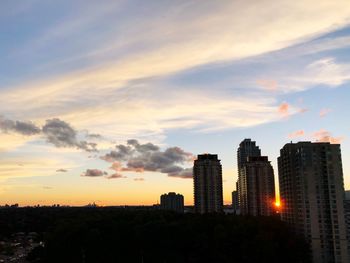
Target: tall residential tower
[207,176]
[312,196]
[255,185]
[257,195]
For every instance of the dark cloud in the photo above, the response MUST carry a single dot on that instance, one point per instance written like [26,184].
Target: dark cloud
[148,147]
[94,173]
[61,134]
[56,132]
[115,176]
[61,170]
[148,157]
[122,153]
[21,127]
[47,187]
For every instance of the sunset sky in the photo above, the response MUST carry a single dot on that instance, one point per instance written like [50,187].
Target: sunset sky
[109,101]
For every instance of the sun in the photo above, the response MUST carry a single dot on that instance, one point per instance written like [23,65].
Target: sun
[277,204]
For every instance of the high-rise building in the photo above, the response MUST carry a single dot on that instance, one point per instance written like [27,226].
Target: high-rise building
[312,197]
[207,176]
[255,184]
[257,190]
[172,201]
[347,216]
[235,204]
[246,148]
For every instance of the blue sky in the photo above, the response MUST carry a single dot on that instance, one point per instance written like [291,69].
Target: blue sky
[198,75]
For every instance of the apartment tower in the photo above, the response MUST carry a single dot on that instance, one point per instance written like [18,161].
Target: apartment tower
[255,184]
[207,176]
[172,202]
[312,197]
[257,195]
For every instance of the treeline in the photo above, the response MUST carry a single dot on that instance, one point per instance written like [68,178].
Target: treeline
[117,235]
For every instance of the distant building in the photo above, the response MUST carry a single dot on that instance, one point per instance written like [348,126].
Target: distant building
[312,197]
[246,148]
[207,176]
[257,191]
[172,201]
[235,204]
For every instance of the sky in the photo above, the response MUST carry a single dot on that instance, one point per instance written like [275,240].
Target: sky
[111,101]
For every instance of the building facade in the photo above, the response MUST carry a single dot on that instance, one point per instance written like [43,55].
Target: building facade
[347,217]
[312,197]
[257,188]
[172,202]
[246,148]
[235,204]
[207,176]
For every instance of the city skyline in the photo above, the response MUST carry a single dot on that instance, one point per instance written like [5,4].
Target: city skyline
[109,102]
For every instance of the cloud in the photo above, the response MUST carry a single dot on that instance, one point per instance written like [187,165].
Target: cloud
[325,136]
[56,132]
[296,134]
[94,173]
[61,134]
[139,179]
[283,109]
[47,187]
[137,157]
[324,112]
[212,33]
[115,176]
[325,71]
[268,84]
[61,170]
[21,127]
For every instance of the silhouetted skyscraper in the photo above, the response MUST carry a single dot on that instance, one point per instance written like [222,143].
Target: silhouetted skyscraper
[246,148]
[312,196]
[235,204]
[257,194]
[347,216]
[255,185]
[172,201]
[207,176]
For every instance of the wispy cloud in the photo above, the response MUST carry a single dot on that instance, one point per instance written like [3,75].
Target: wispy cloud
[321,135]
[325,136]
[268,84]
[325,71]
[296,134]
[324,112]
[283,109]
[174,44]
